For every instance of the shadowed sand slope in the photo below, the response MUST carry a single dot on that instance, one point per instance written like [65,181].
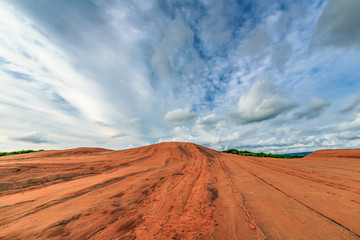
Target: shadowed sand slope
[178,191]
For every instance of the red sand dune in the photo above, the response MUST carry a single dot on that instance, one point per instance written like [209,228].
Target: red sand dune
[178,191]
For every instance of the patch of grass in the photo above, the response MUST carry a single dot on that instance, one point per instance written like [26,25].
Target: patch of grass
[261,154]
[19,152]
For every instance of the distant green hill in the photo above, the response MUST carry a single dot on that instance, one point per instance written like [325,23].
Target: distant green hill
[19,152]
[261,154]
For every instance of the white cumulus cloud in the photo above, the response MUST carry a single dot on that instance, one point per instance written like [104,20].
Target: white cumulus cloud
[179,117]
[314,108]
[339,25]
[33,137]
[263,101]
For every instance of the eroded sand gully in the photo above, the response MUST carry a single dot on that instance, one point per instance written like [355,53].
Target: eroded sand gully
[178,191]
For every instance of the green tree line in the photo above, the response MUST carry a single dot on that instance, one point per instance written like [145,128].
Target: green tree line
[19,152]
[261,154]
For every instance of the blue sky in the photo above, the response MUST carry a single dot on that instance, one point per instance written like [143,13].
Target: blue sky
[275,77]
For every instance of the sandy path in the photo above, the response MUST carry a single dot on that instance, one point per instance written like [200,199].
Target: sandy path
[178,191]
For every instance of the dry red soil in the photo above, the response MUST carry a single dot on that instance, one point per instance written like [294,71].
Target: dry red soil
[178,191]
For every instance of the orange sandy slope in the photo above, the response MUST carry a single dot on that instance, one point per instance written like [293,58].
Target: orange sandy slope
[178,191]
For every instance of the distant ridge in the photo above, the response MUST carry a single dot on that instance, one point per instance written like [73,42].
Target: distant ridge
[297,154]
